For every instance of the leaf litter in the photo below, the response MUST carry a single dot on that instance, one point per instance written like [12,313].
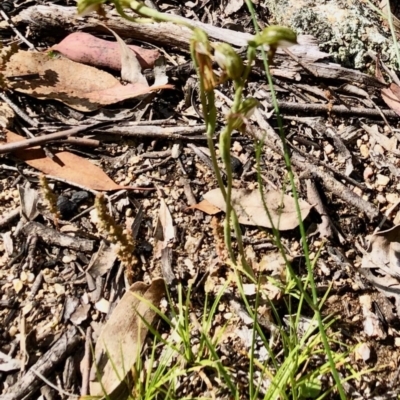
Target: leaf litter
[80,86]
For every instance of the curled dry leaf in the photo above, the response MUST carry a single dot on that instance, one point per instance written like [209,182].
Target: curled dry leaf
[391,94]
[131,70]
[65,165]
[383,253]
[85,48]
[29,198]
[250,209]
[81,87]
[381,264]
[165,231]
[122,337]
[103,260]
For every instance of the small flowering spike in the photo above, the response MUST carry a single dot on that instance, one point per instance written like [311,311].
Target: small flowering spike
[229,61]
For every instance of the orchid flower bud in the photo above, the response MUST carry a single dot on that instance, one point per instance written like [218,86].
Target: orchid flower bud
[276,36]
[201,52]
[229,61]
[245,111]
[85,7]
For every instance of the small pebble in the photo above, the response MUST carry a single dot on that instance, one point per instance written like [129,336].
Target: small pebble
[103,306]
[382,180]
[368,173]
[59,289]
[23,276]
[31,277]
[358,191]
[18,285]
[381,198]
[363,352]
[228,315]
[67,259]
[237,147]
[364,151]
[392,198]
[328,149]
[13,331]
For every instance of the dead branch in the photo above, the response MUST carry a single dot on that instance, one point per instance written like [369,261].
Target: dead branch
[53,17]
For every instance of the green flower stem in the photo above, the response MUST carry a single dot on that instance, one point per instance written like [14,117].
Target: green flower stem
[225,147]
[314,302]
[153,15]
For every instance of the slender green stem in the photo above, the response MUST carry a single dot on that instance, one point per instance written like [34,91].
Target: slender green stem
[225,146]
[154,15]
[301,225]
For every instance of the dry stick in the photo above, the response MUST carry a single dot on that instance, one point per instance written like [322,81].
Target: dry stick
[17,110]
[23,144]
[9,217]
[80,141]
[85,363]
[46,364]
[327,227]
[337,188]
[152,167]
[316,161]
[157,131]
[330,183]
[16,31]
[326,108]
[52,385]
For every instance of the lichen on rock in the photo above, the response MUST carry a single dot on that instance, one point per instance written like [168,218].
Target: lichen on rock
[346,29]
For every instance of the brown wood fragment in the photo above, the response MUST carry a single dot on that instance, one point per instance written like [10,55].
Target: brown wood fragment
[53,237]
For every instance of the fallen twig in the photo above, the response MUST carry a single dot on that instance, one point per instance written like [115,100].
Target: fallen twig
[23,144]
[326,108]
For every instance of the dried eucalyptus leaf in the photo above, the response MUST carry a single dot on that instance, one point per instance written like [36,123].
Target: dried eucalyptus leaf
[250,209]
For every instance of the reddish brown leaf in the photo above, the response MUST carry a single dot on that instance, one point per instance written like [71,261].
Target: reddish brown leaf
[65,165]
[390,95]
[82,87]
[87,49]
[206,207]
